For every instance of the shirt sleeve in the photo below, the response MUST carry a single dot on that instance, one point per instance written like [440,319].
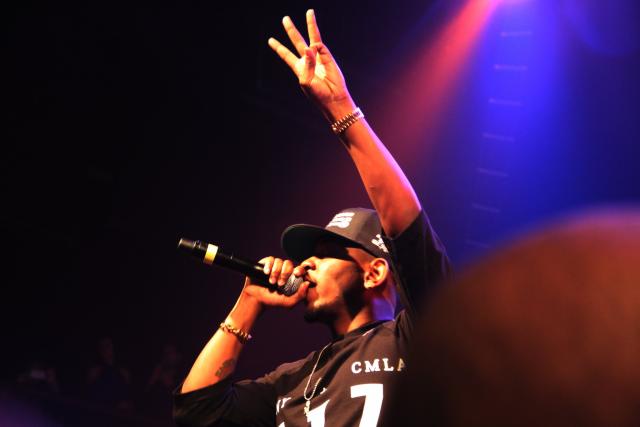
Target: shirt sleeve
[420,262]
[244,403]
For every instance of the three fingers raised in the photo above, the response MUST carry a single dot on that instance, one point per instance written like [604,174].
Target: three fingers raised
[296,38]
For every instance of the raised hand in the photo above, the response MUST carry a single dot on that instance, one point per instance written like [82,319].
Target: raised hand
[322,81]
[314,66]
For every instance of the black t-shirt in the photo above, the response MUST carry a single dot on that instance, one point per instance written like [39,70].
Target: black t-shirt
[353,373]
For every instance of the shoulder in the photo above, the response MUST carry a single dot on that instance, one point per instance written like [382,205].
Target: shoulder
[395,329]
[289,369]
[419,232]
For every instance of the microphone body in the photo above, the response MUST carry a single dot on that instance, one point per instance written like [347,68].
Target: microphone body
[211,254]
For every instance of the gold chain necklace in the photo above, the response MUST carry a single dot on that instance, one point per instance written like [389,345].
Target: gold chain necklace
[307,405]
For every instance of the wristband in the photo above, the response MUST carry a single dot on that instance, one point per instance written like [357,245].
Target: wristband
[343,124]
[242,336]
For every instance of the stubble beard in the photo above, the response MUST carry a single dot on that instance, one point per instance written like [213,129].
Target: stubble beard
[325,313]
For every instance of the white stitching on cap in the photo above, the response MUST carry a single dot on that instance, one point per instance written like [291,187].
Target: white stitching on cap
[341,220]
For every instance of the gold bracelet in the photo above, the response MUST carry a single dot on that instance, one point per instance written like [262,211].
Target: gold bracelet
[242,336]
[343,124]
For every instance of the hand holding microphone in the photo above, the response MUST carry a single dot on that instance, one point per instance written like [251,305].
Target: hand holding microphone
[281,274]
[271,274]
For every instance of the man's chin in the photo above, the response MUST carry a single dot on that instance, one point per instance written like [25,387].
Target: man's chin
[311,314]
[318,314]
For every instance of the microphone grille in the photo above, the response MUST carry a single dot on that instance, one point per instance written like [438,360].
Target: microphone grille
[292,285]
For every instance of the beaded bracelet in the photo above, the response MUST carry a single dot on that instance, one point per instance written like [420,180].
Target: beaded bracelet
[242,336]
[343,124]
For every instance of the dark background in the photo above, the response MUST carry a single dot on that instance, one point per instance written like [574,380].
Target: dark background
[130,125]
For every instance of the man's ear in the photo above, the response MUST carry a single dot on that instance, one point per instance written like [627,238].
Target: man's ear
[377,273]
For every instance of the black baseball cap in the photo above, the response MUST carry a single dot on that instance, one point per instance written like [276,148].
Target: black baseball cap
[352,227]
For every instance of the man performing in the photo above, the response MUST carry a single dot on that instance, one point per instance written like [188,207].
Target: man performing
[354,271]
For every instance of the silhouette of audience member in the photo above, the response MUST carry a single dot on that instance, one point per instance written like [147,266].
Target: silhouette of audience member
[109,384]
[545,332]
[165,377]
[39,377]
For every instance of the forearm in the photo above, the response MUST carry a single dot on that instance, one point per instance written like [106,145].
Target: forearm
[218,358]
[322,81]
[386,184]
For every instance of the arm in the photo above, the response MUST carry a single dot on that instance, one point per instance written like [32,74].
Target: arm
[218,358]
[322,81]
[418,252]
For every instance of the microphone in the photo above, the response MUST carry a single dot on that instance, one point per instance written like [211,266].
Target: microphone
[211,254]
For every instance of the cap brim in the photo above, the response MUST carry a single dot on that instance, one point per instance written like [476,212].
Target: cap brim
[299,240]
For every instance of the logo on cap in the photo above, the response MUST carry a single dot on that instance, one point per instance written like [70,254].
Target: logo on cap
[380,243]
[341,220]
